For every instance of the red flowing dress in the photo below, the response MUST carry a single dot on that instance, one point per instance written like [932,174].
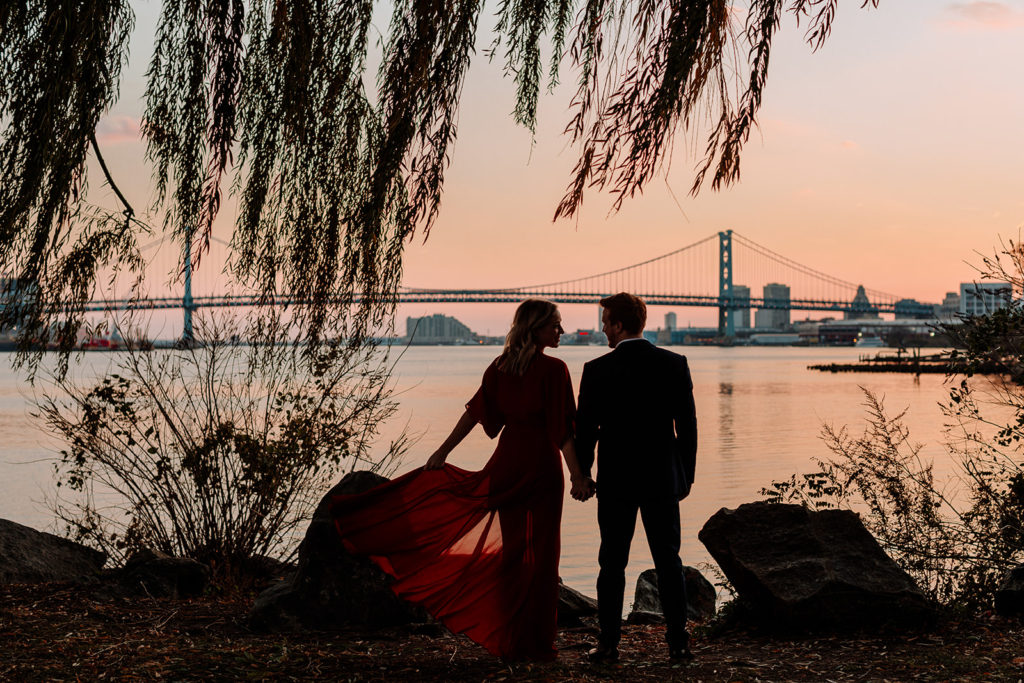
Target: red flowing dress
[479,550]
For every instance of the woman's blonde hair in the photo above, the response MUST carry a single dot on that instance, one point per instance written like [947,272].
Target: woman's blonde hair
[521,342]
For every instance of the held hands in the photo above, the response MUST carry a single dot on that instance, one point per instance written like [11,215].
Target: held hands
[582,488]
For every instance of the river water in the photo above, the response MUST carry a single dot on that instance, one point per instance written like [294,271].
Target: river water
[760,413]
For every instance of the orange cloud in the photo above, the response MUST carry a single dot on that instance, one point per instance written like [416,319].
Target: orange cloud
[118,129]
[983,15]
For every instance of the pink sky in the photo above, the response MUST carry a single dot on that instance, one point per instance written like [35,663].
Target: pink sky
[887,158]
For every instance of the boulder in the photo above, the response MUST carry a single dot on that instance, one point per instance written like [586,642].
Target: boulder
[573,606]
[30,556]
[794,567]
[700,598]
[266,570]
[332,588]
[1010,595]
[156,574]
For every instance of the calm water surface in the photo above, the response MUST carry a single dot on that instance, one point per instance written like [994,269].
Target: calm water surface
[759,410]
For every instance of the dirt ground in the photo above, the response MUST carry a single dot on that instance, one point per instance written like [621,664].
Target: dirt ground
[61,632]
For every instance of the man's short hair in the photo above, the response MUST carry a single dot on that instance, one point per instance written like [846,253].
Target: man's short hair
[627,310]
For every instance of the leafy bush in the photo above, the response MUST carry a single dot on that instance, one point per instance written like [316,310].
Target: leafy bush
[216,452]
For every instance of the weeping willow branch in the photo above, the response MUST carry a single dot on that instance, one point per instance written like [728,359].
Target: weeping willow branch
[128,210]
[332,178]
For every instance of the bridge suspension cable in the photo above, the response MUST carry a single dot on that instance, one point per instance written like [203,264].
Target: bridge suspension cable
[807,270]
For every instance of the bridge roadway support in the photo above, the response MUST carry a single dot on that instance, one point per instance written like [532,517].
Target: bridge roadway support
[726,310]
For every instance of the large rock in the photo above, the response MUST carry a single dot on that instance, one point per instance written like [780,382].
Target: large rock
[156,574]
[332,588]
[30,556]
[700,598]
[795,567]
[1010,595]
[573,606]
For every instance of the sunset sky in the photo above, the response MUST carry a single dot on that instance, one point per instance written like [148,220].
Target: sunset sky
[887,158]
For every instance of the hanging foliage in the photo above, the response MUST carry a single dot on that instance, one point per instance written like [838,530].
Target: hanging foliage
[60,62]
[333,178]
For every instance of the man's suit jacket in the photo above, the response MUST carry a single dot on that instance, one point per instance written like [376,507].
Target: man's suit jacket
[636,404]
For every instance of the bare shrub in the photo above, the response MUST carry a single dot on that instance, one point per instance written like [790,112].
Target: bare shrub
[216,452]
[956,536]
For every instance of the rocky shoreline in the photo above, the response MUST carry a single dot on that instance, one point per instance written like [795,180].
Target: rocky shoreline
[818,599]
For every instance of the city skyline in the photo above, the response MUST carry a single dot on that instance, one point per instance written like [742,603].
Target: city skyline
[972,299]
[890,167]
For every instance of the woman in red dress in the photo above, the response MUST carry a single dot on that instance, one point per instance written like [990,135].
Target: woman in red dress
[479,550]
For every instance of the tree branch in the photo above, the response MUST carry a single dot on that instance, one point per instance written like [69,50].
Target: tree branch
[128,210]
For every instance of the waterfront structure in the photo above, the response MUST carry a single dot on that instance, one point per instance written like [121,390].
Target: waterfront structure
[437,329]
[775,314]
[584,338]
[981,298]
[861,307]
[847,332]
[741,296]
[775,339]
[809,330]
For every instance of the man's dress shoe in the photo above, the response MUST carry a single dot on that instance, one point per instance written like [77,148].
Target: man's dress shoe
[603,653]
[680,654]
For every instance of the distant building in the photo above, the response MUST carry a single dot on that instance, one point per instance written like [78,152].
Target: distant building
[775,314]
[950,307]
[437,329]
[862,308]
[670,321]
[913,310]
[584,337]
[980,298]
[741,296]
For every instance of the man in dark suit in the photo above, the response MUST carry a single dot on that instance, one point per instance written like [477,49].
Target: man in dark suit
[636,406]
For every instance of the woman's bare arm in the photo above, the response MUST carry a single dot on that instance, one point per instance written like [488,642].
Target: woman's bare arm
[463,427]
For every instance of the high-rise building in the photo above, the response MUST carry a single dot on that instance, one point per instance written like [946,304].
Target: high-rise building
[670,321]
[980,298]
[777,316]
[741,296]
[437,329]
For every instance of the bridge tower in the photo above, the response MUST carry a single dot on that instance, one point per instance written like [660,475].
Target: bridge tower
[187,303]
[726,309]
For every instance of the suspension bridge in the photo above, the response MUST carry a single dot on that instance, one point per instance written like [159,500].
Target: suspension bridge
[724,270]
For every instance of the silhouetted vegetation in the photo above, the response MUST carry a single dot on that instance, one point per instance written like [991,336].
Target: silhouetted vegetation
[217,452]
[956,535]
[271,97]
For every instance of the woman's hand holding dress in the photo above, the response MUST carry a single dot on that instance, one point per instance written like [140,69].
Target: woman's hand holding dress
[436,460]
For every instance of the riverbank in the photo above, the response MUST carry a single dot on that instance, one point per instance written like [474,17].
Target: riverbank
[70,632]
